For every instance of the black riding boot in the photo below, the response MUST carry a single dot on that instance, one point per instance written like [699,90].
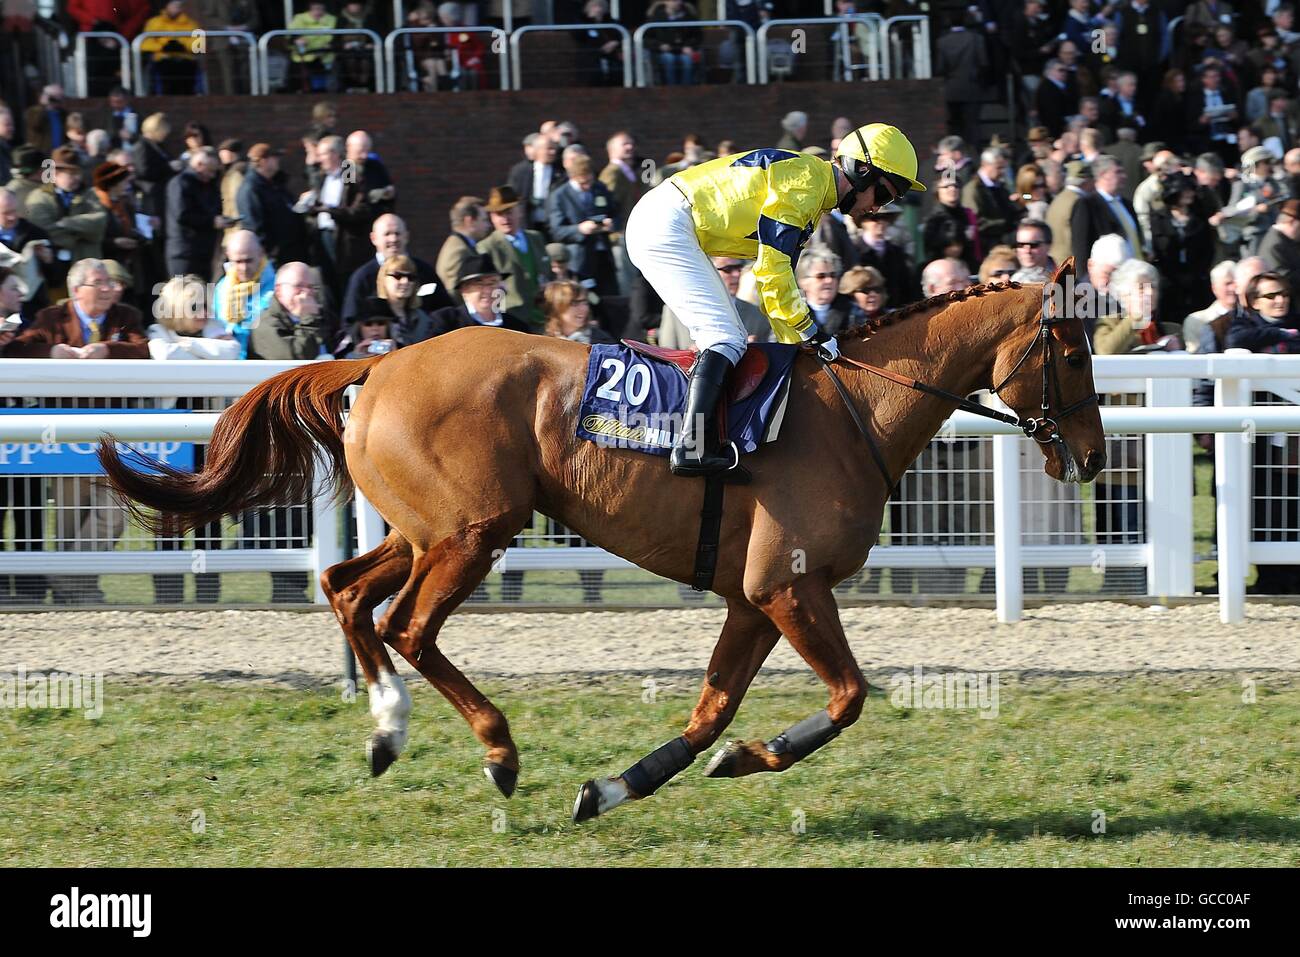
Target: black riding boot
[697,454]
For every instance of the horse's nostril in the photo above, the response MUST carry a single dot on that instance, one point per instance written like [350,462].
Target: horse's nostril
[1094,461]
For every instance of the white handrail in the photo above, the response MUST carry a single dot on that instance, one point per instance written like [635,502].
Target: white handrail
[920,47]
[638,44]
[516,61]
[377,43]
[137,54]
[498,46]
[79,59]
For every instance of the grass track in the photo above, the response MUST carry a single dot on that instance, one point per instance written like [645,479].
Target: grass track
[1185,772]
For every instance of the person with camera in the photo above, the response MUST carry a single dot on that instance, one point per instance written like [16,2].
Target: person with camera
[582,214]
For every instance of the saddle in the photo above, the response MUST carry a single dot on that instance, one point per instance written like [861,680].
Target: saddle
[741,381]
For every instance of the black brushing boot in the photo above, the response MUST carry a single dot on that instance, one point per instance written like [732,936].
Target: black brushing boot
[700,455]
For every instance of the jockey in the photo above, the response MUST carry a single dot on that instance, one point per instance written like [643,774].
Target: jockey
[760,205]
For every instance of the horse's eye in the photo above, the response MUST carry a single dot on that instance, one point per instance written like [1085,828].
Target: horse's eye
[1075,361]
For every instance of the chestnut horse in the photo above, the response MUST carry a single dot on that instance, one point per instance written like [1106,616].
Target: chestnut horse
[458,440]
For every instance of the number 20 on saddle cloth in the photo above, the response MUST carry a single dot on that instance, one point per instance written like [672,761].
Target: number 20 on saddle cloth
[634,396]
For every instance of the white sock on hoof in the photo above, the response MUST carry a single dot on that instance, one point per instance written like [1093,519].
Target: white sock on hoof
[610,793]
[390,706]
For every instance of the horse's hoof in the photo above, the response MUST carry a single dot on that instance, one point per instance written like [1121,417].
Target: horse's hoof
[380,753]
[587,805]
[503,777]
[723,762]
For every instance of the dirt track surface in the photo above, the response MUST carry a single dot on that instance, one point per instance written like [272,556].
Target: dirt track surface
[303,649]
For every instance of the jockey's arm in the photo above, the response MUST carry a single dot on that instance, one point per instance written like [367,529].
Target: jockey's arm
[783,224]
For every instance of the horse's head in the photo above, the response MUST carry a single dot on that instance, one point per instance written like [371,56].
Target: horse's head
[1043,372]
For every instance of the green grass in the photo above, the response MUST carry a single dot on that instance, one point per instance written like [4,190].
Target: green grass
[1185,772]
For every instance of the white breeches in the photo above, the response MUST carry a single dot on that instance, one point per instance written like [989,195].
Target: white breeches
[661,242]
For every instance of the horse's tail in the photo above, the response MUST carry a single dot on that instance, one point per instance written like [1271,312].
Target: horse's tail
[262,452]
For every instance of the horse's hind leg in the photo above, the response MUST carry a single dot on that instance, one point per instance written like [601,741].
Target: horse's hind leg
[354,589]
[807,615]
[748,637]
[441,579]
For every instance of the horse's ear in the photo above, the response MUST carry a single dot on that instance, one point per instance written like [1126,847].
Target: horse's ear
[1063,270]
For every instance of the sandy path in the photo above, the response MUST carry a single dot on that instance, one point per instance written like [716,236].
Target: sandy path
[303,649]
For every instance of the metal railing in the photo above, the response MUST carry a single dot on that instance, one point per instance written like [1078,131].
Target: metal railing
[377,44]
[844,41]
[498,46]
[140,75]
[920,46]
[1150,448]
[516,59]
[79,59]
[645,66]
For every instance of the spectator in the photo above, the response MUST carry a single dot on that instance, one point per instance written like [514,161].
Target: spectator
[1277,129]
[246,289]
[389,237]
[127,17]
[1224,287]
[1124,109]
[479,286]
[459,58]
[294,325]
[185,330]
[999,265]
[1280,247]
[194,221]
[397,301]
[1056,97]
[123,119]
[583,215]
[196,138]
[867,287]
[123,242]
[1167,120]
[518,254]
[356,59]
[223,63]
[875,249]
[1033,37]
[367,337]
[1143,44]
[795,127]
[175,71]
[985,194]
[539,178]
[673,334]
[600,53]
[1252,207]
[568,314]
[1182,245]
[1033,252]
[679,54]
[26,252]
[311,57]
[818,274]
[233,169]
[153,168]
[1269,325]
[7,143]
[950,231]
[1078,183]
[88,326]
[1212,114]
[21,494]
[1103,211]
[1158,162]
[1030,198]
[1258,99]
[1080,24]
[267,210]
[469,225]
[1132,324]
[963,62]
[341,214]
[951,154]
[71,215]
[46,121]
[622,176]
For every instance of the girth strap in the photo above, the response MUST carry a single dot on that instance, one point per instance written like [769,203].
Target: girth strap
[857,419]
[706,551]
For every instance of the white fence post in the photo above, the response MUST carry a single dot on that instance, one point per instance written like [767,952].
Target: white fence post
[1232,512]
[325,534]
[1169,484]
[1006,527]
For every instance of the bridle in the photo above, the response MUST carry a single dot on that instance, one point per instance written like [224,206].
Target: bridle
[1044,430]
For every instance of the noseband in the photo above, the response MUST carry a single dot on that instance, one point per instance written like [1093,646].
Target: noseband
[1044,430]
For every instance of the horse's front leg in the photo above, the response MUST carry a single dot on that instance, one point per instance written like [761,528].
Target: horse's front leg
[748,636]
[806,614]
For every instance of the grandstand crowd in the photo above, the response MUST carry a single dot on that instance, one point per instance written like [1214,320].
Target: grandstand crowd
[1164,160]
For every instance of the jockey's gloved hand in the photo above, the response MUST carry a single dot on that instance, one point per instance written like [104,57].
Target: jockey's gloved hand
[824,344]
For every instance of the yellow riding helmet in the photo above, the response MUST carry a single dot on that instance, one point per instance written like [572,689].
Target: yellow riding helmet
[883,147]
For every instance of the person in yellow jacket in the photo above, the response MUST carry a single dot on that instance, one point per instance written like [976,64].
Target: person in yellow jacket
[761,205]
[175,68]
[308,49]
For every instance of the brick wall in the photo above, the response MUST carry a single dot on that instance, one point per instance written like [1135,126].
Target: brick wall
[439,147]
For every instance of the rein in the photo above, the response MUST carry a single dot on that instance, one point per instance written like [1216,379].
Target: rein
[1043,430]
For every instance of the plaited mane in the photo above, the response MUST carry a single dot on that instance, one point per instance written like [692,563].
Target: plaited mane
[926,305]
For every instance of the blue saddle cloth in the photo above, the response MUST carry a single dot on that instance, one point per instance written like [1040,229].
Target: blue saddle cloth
[631,401]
